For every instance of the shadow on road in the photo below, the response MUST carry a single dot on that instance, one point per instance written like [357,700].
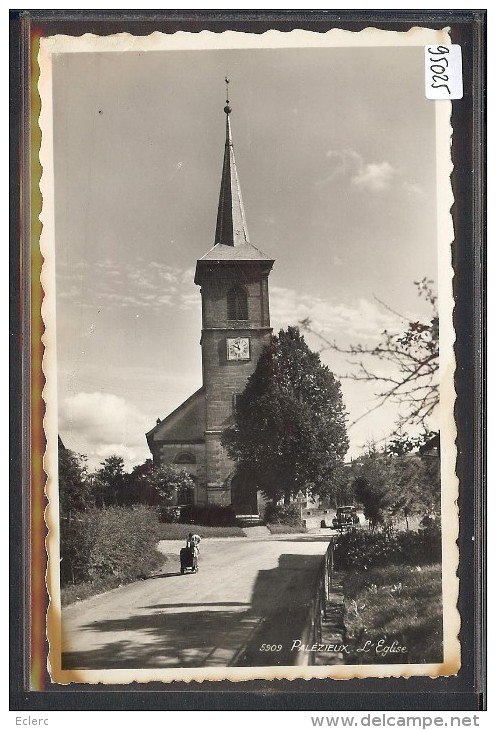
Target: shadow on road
[294,578]
[195,605]
[167,639]
[215,634]
[306,538]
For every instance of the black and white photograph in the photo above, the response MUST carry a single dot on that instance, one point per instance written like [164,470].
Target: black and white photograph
[249,357]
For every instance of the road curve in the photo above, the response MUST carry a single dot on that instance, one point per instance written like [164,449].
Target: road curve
[247,593]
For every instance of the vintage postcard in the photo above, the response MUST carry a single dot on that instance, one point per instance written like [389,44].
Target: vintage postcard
[248,353]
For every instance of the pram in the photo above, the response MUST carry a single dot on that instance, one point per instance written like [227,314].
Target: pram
[189,560]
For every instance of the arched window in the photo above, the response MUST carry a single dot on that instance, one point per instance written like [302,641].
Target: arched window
[185,457]
[237,303]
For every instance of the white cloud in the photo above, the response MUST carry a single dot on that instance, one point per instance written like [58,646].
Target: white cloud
[188,275]
[141,285]
[346,160]
[374,176]
[163,299]
[101,424]
[169,276]
[350,164]
[190,300]
[361,320]
[130,455]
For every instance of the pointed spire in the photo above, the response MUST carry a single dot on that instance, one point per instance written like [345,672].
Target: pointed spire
[231,227]
[231,234]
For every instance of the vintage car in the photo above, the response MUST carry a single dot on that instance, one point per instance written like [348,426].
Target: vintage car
[345,518]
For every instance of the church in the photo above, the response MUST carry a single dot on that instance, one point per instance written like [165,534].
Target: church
[233,280]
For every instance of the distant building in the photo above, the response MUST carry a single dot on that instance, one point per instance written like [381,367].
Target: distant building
[233,276]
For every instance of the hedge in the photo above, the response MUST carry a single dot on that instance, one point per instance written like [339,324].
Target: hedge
[359,549]
[113,541]
[210,515]
[282,514]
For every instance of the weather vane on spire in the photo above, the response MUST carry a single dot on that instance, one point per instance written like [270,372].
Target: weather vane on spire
[227,108]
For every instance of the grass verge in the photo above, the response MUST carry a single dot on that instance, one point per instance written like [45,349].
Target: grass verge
[395,603]
[80,591]
[180,531]
[278,529]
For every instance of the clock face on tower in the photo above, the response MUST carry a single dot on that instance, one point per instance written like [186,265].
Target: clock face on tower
[238,348]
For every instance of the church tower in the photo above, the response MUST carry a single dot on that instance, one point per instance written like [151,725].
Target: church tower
[233,277]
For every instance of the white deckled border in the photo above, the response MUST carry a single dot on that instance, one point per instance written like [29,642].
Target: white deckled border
[206,40]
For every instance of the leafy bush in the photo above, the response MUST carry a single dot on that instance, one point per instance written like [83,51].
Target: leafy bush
[213,515]
[115,541]
[359,549]
[75,547]
[420,548]
[169,514]
[282,514]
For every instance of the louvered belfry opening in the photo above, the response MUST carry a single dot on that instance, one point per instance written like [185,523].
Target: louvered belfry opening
[237,304]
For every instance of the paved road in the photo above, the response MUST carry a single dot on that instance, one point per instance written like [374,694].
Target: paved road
[248,591]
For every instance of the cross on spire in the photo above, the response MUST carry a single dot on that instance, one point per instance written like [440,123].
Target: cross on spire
[227,80]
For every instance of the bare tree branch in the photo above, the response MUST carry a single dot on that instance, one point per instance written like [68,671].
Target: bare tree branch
[414,356]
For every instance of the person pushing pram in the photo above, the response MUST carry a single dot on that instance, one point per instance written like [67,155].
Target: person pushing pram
[193,542]
[190,554]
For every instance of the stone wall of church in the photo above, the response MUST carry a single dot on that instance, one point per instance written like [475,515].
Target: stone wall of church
[169,453]
[219,469]
[224,379]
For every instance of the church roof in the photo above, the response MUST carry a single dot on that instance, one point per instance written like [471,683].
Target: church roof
[232,242]
[220,252]
[185,424]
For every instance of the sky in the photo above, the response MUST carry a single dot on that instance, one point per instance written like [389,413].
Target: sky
[335,150]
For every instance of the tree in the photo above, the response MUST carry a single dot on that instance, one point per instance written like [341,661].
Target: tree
[430,484]
[75,496]
[372,483]
[404,366]
[111,482]
[402,443]
[408,473]
[394,487]
[289,432]
[75,493]
[159,485]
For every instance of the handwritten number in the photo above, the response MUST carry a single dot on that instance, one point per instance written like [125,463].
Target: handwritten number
[437,68]
[441,86]
[440,50]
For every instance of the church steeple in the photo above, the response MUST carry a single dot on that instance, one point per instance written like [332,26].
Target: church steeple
[231,233]
[233,276]
[231,229]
